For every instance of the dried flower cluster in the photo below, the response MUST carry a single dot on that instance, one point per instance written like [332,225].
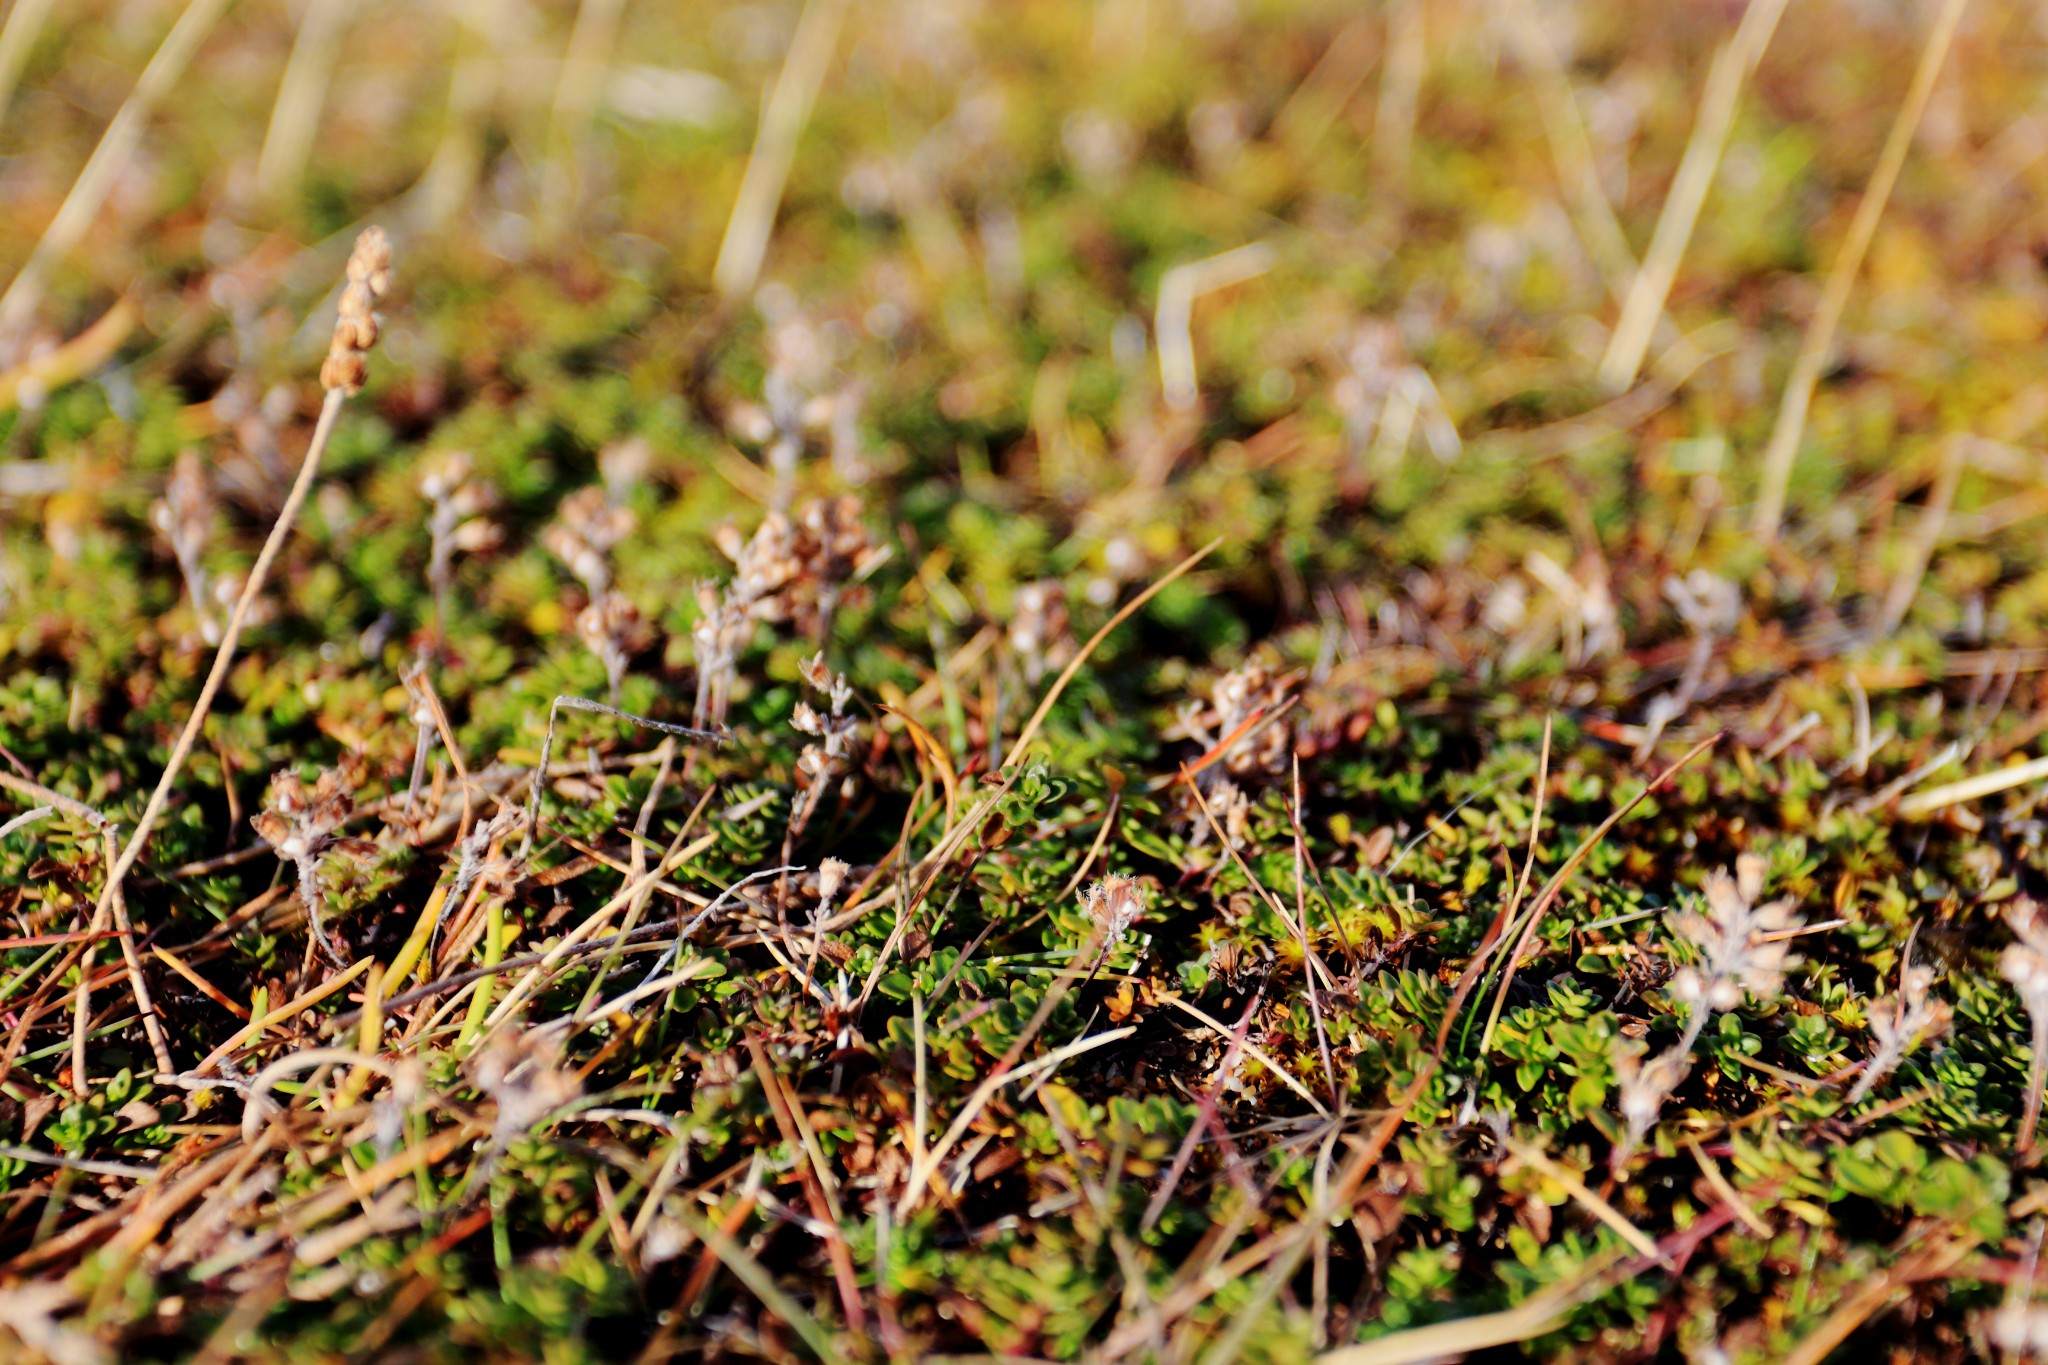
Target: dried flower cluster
[299,824]
[184,517]
[1229,813]
[831,751]
[355,328]
[1644,1085]
[623,465]
[256,468]
[790,571]
[1743,946]
[615,631]
[1255,747]
[483,856]
[1114,904]
[831,881]
[2025,964]
[1743,950]
[457,501]
[590,524]
[795,571]
[586,529]
[799,398]
[1899,1023]
[720,632]
[1249,691]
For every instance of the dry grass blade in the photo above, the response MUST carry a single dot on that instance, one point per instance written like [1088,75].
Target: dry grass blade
[1251,1049]
[1872,1295]
[295,117]
[952,999]
[584,64]
[25,20]
[1535,1315]
[291,1009]
[922,1172]
[1571,148]
[1818,343]
[782,124]
[109,159]
[1557,881]
[1651,286]
[757,1278]
[1081,657]
[1174,316]
[1606,1213]
[1973,788]
[76,358]
[355,333]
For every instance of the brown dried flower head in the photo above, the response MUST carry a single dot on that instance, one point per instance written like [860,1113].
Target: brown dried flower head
[615,631]
[831,877]
[835,730]
[1245,693]
[299,823]
[584,534]
[355,329]
[795,570]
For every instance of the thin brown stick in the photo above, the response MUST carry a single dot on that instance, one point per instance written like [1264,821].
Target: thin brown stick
[817,1193]
[355,332]
[152,1024]
[224,657]
[1555,885]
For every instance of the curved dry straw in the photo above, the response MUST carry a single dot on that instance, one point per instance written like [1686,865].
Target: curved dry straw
[342,374]
[108,159]
[1819,340]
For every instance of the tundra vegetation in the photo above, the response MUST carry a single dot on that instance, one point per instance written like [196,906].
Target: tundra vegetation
[1180,682]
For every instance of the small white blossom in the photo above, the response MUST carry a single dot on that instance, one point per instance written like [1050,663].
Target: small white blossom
[1115,904]
[1644,1087]
[1898,1023]
[1742,945]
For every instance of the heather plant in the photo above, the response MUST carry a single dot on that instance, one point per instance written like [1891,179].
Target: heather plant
[1741,949]
[1900,1022]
